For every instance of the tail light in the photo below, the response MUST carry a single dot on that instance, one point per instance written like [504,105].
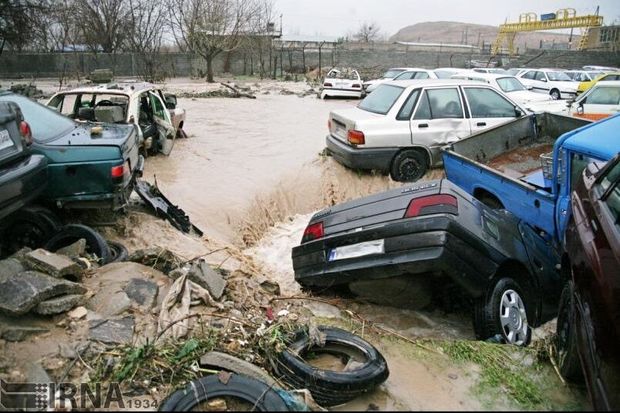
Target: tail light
[312,232]
[118,171]
[356,137]
[24,130]
[356,86]
[433,204]
[327,84]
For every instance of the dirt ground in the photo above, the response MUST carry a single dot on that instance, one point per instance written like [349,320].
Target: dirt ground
[250,175]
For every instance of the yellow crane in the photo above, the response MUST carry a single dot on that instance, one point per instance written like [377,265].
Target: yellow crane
[529,22]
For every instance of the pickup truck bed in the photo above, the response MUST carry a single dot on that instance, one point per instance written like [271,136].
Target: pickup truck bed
[502,165]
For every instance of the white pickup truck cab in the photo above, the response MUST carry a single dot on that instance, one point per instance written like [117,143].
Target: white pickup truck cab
[401,126]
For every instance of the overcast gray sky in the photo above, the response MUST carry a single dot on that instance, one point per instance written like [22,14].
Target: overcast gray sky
[339,17]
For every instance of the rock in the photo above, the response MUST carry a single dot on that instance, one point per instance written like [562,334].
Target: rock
[75,250]
[157,257]
[19,332]
[230,363]
[10,267]
[24,291]
[142,292]
[112,331]
[58,305]
[109,303]
[323,310]
[35,373]
[77,313]
[53,264]
[202,274]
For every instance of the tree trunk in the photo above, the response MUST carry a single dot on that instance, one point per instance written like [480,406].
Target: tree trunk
[209,60]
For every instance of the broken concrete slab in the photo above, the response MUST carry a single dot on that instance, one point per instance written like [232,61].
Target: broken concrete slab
[77,249]
[202,274]
[78,312]
[24,291]
[112,331]
[19,332]
[53,264]
[236,365]
[10,267]
[58,305]
[35,373]
[143,292]
[108,303]
[157,257]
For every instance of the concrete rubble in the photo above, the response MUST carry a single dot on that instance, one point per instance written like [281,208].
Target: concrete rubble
[52,264]
[112,331]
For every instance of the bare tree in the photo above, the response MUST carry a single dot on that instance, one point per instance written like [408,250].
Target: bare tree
[210,27]
[17,23]
[145,35]
[367,32]
[103,24]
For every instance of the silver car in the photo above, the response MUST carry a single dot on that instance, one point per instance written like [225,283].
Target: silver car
[401,126]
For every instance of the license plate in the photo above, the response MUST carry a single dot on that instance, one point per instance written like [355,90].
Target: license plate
[357,250]
[5,139]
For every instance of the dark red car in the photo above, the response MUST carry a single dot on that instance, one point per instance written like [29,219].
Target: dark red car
[588,328]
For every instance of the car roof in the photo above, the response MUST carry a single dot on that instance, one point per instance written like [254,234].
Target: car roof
[125,88]
[414,69]
[599,137]
[432,82]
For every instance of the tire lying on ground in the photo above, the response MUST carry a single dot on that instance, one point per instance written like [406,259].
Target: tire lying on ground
[118,252]
[236,386]
[95,243]
[329,387]
[31,227]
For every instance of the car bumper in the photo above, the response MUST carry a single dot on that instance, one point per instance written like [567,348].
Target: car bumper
[21,183]
[354,93]
[434,245]
[358,158]
[567,94]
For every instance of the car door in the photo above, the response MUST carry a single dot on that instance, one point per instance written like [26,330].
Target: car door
[164,125]
[487,107]
[439,118]
[597,103]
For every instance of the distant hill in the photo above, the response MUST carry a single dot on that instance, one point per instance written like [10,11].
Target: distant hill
[454,32]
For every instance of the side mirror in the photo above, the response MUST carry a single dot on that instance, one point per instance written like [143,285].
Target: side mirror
[580,107]
[529,87]
[171,101]
[170,105]
[543,80]
[518,112]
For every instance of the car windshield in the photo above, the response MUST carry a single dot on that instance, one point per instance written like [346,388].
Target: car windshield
[444,74]
[498,71]
[45,123]
[347,74]
[594,75]
[390,74]
[558,76]
[381,99]
[514,72]
[510,84]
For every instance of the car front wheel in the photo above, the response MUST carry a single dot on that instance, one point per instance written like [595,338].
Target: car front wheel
[555,94]
[503,314]
[409,166]
[566,337]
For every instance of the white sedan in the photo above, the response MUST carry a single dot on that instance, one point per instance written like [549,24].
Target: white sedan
[390,74]
[553,82]
[416,74]
[342,83]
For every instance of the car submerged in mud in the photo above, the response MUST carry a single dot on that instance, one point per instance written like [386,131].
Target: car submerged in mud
[436,231]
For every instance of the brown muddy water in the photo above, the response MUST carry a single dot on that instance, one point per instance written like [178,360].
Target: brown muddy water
[251,174]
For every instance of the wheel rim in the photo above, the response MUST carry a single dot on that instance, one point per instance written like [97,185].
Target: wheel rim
[409,169]
[555,95]
[513,318]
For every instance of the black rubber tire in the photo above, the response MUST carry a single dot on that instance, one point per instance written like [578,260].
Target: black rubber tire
[95,243]
[566,350]
[31,226]
[409,166]
[238,386]
[118,252]
[555,94]
[486,319]
[330,388]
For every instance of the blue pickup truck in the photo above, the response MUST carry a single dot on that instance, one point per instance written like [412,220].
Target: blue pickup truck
[530,166]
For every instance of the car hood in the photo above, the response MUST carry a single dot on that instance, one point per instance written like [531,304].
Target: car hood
[95,134]
[373,210]
[525,96]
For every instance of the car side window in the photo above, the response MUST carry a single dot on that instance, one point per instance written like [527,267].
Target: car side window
[487,103]
[540,76]
[68,104]
[445,103]
[578,163]
[158,108]
[424,108]
[529,75]
[610,184]
[421,75]
[407,109]
[604,96]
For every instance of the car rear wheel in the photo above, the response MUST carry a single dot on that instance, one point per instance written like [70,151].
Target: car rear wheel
[31,227]
[409,166]
[566,337]
[503,312]
[555,94]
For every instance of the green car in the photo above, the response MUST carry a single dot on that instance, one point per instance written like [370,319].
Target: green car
[89,166]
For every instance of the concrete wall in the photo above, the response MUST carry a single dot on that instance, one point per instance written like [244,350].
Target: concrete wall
[368,61]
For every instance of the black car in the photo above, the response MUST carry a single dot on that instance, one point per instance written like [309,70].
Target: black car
[437,230]
[23,176]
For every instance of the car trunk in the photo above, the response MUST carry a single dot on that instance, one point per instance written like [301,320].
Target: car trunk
[374,210]
[10,139]
[342,121]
